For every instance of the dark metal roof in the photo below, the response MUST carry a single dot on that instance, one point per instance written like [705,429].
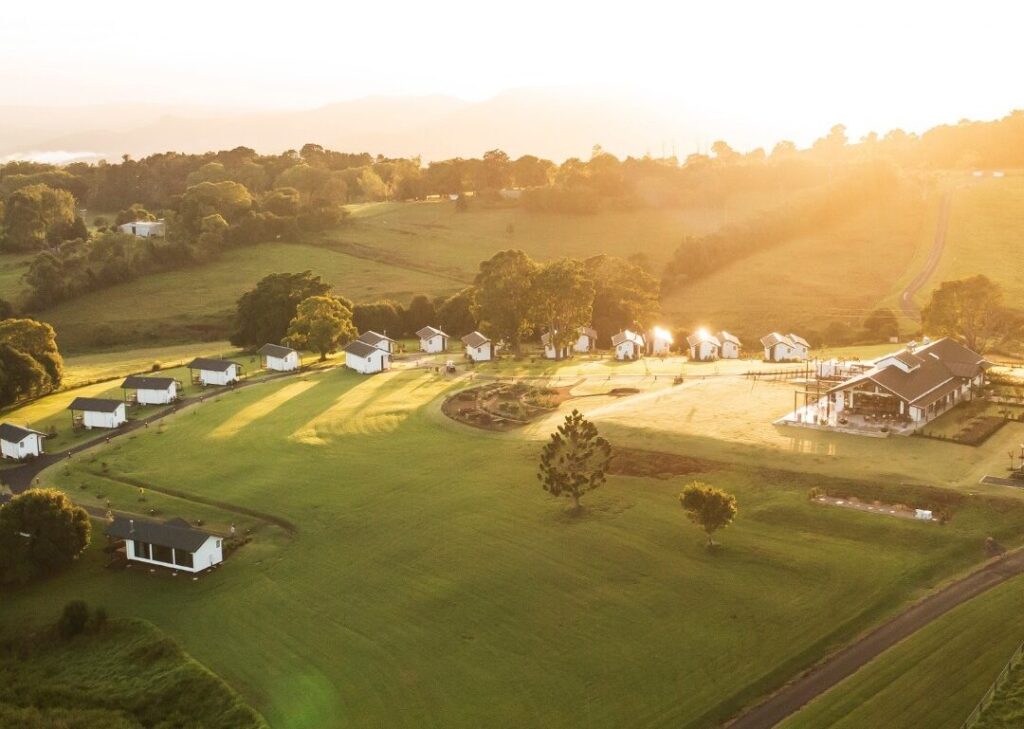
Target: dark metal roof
[428,332]
[274,350]
[627,336]
[361,349]
[475,339]
[15,434]
[136,382]
[374,338]
[211,365]
[95,404]
[724,336]
[175,533]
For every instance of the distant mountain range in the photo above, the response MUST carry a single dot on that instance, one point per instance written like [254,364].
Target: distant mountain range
[548,123]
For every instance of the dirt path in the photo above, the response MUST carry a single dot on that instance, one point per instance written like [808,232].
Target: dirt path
[938,247]
[843,664]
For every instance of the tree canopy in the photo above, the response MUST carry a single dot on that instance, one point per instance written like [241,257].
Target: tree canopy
[41,532]
[575,460]
[971,310]
[321,324]
[709,508]
[264,313]
[503,297]
[30,363]
[563,297]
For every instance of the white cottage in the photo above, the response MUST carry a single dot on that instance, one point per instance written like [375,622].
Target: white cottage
[586,341]
[704,346]
[365,358]
[785,348]
[659,341]
[143,228]
[549,348]
[478,348]
[730,345]
[628,345]
[19,443]
[432,341]
[151,390]
[97,412]
[174,544]
[214,371]
[377,340]
[278,358]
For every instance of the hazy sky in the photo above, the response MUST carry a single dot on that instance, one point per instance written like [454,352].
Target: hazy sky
[796,65]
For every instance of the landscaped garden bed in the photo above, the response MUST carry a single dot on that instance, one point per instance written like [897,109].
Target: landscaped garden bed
[504,405]
[972,423]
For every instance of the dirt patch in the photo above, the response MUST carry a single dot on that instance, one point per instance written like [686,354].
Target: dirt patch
[654,464]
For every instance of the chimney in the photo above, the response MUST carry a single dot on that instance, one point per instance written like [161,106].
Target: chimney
[131,527]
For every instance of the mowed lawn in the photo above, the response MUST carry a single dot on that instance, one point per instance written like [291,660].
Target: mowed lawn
[431,582]
[934,678]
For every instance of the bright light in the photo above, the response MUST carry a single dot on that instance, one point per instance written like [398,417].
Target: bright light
[660,333]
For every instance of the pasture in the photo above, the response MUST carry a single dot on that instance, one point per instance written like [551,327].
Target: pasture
[429,581]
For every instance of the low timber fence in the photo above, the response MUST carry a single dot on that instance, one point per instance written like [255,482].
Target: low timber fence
[975,716]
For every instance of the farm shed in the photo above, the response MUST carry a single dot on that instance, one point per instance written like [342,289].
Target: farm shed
[365,358]
[278,358]
[97,412]
[432,340]
[206,371]
[18,443]
[704,346]
[173,543]
[628,345]
[785,347]
[730,345]
[478,348]
[143,228]
[151,390]
[586,341]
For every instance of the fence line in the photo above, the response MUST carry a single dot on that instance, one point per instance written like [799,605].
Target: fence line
[975,715]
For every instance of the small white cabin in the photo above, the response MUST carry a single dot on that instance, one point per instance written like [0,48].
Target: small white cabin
[377,340]
[785,348]
[628,345]
[365,358]
[659,341]
[206,371]
[143,228]
[730,345]
[151,390]
[478,348]
[173,544]
[97,412]
[432,340]
[550,352]
[18,443]
[587,340]
[278,358]
[704,346]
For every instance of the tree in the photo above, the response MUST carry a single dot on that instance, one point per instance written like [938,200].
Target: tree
[131,214]
[709,508]
[563,301]
[575,460]
[496,170]
[625,296]
[20,375]
[6,309]
[321,324]
[41,532]
[502,299]
[455,314]
[284,202]
[37,215]
[530,171]
[385,317]
[881,324]
[418,314]
[264,313]
[969,309]
[38,341]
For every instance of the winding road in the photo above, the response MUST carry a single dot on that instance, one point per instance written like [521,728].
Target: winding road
[907,304]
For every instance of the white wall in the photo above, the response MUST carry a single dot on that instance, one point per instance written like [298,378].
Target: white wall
[626,350]
[210,377]
[377,361]
[583,344]
[729,350]
[284,364]
[93,419]
[704,351]
[157,397]
[782,352]
[481,353]
[31,445]
[434,344]
[660,346]
[210,553]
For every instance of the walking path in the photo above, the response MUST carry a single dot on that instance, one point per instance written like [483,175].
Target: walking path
[839,666]
[938,247]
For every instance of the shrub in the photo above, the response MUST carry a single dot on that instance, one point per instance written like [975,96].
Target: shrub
[155,367]
[73,619]
[99,618]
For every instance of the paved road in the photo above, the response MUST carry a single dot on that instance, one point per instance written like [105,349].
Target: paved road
[839,666]
[938,246]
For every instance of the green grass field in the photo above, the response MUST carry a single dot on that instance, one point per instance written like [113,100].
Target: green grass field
[430,581]
[125,675]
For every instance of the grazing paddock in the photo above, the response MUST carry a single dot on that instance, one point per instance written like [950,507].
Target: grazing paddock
[430,581]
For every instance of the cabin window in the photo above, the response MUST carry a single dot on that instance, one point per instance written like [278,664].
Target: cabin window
[163,554]
[141,549]
[183,558]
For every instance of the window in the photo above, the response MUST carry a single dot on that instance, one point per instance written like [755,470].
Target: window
[183,558]
[163,554]
[141,550]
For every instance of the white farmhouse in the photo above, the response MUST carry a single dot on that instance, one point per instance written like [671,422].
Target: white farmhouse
[144,228]
[659,341]
[19,443]
[785,348]
[174,544]
[478,348]
[377,340]
[151,390]
[97,412]
[214,371]
[365,358]
[278,358]
[587,340]
[432,341]
[730,345]
[628,345]
[704,346]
